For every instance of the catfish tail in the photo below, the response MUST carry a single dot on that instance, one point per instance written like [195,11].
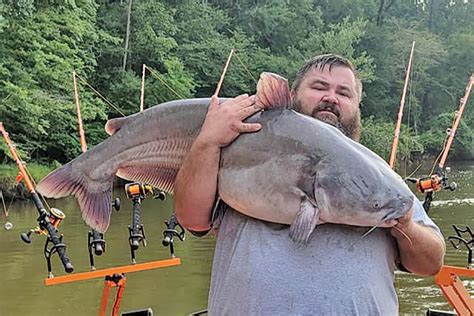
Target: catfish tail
[94,197]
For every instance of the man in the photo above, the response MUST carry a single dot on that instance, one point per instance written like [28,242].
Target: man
[257,269]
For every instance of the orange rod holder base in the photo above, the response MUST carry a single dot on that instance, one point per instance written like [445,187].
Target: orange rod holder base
[451,285]
[111,271]
[118,281]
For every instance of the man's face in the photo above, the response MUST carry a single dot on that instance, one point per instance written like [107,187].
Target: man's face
[330,96]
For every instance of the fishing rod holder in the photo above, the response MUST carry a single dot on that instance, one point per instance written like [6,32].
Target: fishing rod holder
[96,245]
[173,228]
[137,192]
[460,239]
[96,241]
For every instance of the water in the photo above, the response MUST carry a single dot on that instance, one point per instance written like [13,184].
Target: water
[174,290]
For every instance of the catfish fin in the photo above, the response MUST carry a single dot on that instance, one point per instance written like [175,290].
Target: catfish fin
[272,91]
[113,125]
[305,222]
[159,176]
[94,198]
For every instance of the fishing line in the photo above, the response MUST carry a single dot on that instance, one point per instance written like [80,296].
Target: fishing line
[245,68]
[32,180]
[100,95]
[416,169]
[8,225]
[163,82]
[5,210]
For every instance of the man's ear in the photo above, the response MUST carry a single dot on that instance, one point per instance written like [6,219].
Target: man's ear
[292,94]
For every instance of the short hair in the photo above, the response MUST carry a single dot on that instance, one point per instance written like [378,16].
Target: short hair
[329,60]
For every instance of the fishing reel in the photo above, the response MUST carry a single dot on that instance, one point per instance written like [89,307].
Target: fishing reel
[55,217]
[173,228]
[435,182]
[48,226]
[134,190]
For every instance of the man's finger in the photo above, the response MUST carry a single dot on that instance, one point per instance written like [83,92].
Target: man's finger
[249,127]
[236,100]
[245,102]
[214,101]
[248,111]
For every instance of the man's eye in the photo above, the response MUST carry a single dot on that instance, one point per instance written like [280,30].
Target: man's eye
[318,87]
[344,94]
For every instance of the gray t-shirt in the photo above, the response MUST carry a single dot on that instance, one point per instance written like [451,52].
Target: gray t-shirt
[258,270]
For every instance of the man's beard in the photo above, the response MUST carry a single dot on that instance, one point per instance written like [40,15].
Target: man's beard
[350,127]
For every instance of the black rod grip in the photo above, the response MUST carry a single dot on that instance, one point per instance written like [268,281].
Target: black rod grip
[53,233]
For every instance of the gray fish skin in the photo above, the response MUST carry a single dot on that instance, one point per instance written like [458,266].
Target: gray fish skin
[296,170]
[297,162]
[149,146]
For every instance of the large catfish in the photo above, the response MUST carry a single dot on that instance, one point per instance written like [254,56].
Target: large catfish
[296,170]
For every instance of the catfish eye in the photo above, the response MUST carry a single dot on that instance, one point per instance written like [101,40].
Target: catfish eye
[376,204]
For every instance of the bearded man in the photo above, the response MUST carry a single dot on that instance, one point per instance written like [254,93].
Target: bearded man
[257,269]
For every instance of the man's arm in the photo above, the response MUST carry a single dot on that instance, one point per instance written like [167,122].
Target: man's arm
[424,255]
[196,182]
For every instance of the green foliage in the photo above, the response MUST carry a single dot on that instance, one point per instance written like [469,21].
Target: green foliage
[9,172]
[378,136]
[186,44]
[435,137]
[40,52]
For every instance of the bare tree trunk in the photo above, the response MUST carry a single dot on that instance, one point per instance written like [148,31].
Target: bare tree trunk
[380,13]
[124,65]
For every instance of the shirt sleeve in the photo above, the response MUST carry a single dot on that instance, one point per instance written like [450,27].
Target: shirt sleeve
[421,217]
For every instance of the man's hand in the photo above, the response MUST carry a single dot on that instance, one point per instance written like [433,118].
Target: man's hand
[403,224]
[421,249]
[196,182]
[224,123]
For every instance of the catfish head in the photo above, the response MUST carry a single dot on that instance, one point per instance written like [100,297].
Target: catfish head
[376,194]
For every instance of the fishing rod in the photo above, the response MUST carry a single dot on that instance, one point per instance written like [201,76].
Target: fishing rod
[400,112]
[48,221]
[439,175]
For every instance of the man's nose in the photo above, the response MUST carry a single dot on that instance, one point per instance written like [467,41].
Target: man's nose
[330,97]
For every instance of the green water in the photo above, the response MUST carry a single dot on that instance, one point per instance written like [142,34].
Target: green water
[175,290]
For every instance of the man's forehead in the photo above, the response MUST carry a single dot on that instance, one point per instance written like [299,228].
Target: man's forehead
[340,75]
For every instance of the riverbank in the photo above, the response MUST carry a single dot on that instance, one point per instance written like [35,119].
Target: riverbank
[8,174]
[12,189]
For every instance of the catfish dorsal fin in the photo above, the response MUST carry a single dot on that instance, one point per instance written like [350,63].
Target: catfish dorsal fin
[113,125]
[272,91]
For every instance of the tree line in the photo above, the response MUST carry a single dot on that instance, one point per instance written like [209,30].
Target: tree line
[186,43]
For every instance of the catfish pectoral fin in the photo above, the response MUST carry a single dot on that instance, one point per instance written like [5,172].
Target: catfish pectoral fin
[305,222]
[157,175]
[94,203]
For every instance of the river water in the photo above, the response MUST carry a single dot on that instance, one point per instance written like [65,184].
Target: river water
[175,290]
